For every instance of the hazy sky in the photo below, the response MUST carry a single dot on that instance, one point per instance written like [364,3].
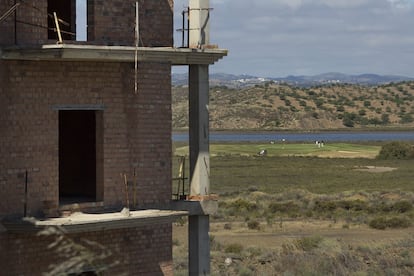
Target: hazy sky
[276,38]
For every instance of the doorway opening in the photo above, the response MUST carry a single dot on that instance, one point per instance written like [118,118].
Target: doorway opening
[80,151]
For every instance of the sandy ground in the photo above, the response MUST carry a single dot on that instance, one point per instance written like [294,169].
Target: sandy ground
[281,233]
[375,169]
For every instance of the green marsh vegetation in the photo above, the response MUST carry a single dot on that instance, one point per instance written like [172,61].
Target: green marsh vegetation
[305,210]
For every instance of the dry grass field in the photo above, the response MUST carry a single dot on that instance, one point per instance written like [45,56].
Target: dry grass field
[300,214]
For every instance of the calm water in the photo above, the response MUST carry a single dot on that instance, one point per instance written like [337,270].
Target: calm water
[304,137]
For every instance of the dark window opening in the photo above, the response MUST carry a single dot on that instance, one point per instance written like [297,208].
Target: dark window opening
[66,11]
[73,16]
[79,155]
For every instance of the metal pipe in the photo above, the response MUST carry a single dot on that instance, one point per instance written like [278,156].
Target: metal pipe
[136,47]
[25,194]
[183,29]
[57,28]
[15,23]
[8,12]
[188,27]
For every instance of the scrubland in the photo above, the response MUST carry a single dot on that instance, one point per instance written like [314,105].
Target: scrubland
[305,211]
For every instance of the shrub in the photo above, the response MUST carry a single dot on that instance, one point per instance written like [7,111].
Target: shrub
[349,119]
[288,207]
[340,108]
[235,248]
[253,189]
[385,118]
[240,205]
[354,205]
[402,206]
[244,271]
[253,225]
[394,222]
[378,223]
[324,206]
[308,243]
[396,150]
[406,118]
[227,226]
[398,222]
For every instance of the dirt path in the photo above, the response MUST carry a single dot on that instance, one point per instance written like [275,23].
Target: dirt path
[277,235]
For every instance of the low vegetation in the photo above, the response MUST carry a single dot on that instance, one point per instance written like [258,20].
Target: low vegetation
[300,214]
[396,150]
[280,106]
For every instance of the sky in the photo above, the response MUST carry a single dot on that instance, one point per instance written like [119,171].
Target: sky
[277,38]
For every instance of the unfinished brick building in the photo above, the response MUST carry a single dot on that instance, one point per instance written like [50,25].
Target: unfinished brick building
[85,127]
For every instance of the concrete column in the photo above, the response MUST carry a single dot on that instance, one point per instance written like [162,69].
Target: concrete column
[198,225]
[199,245]
[199,130]
[199,31]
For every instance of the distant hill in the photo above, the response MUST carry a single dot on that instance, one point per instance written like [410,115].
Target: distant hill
[270,105]
[222,79]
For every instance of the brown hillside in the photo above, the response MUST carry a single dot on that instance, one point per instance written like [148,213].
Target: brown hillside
[272,106]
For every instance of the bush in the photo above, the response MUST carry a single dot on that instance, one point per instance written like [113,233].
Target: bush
[253,225]
[227,226]
[235,248]
[308,243]
[396,150]
[378,223]
[402,206]
[349,119]
[288,207]
[406,118]
[399,222]
[394,222]
[325,206]
[354,205]
[240,205]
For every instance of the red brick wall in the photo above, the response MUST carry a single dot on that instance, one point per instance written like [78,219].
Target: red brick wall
[109,23]
[25,33]
[134,251]
[135,135]
[137,129]
[114,23]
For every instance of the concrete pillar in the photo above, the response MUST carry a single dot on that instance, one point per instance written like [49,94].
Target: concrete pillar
[198,225]
[199,130]
[199,245]
[199,27]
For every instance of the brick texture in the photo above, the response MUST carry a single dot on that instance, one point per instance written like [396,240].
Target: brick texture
[134,251]
[109,23]
[135,135]
[137,128]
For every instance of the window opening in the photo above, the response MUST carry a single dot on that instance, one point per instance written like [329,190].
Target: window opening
[80,150]
[72,15]
[65,11]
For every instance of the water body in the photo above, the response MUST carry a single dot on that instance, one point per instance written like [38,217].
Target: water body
[303,137]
